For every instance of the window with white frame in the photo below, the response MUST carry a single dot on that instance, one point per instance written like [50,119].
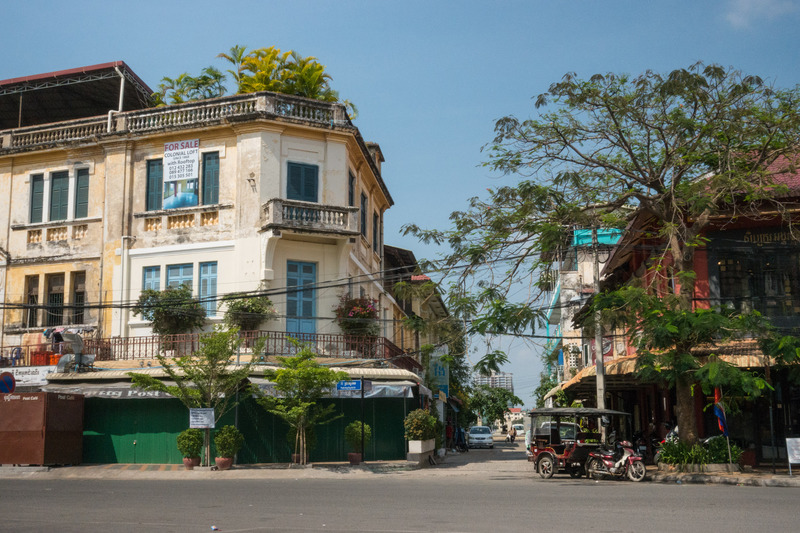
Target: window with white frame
[59,195]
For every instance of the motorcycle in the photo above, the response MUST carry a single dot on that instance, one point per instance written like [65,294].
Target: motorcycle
[618,462]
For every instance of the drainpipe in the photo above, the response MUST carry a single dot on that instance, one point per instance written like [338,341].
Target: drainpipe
[7,256]
[124,286]
[121,88]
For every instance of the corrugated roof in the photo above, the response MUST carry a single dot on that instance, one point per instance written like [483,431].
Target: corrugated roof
[70,94]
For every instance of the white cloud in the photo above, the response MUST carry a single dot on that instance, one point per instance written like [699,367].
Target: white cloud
[742,12]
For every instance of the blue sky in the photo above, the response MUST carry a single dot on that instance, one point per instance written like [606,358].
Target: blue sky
[429,78]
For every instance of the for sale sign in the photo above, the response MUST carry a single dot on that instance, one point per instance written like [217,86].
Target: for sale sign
[181,171]
[181,160]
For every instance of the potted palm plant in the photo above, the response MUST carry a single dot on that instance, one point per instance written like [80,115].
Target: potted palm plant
[228,442]
[352,435]
[190,444]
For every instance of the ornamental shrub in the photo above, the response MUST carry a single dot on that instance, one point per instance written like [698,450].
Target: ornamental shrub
[352,435]
[190,442]
[246,312]
[420,425]
[718,451]
[228,441]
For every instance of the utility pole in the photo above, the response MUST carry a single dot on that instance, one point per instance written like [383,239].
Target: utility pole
[598,335]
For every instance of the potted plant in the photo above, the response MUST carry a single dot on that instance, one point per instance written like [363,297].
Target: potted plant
[190,444]
[420,430]
[228,442]
[246,312]
[357,316]
[352,435]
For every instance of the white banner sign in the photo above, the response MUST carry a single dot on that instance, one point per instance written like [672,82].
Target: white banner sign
[31,375]
[181,160]
[793,450]
[201,417]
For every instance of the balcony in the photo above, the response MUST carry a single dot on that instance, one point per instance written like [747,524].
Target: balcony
[180,116]
[278,343]
[295,215]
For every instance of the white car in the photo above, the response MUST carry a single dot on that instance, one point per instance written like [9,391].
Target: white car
[480,436]
[519,428]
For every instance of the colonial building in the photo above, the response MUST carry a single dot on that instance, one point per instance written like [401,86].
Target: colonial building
[105,196]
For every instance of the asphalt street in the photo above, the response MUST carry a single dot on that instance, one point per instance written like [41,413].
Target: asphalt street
[482,491]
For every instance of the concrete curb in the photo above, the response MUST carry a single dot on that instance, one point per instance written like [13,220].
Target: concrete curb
[751,481]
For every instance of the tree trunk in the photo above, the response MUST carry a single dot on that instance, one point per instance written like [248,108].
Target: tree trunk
[687,423]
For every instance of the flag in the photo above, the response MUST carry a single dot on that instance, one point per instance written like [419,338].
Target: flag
[719,410]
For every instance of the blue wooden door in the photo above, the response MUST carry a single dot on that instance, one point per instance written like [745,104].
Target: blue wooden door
[301,297]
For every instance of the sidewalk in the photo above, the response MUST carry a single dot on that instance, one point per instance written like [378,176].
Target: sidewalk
[761,476]
[175,471]
[452,465]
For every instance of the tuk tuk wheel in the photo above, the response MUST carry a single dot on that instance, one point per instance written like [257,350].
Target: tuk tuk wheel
[575,472]
[546,466]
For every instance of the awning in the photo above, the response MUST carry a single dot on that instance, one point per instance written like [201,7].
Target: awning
[379,389]
[115,391]
[126,391]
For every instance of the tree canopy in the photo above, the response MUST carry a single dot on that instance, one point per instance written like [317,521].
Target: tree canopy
[171,311]
[262,69]
[492,403]
[676,150]
[301,383]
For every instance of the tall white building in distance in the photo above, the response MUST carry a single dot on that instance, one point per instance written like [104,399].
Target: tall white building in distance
[501,380]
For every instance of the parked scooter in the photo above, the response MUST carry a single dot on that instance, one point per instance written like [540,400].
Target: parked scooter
[619,461]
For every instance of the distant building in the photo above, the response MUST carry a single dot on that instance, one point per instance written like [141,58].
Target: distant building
[500,380]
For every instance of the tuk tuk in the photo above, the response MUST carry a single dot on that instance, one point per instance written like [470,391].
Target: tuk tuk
[559,441]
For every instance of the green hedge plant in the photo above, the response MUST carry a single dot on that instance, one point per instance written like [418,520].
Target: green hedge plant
[190,442]
[420,425]
[228,441]
[352,435]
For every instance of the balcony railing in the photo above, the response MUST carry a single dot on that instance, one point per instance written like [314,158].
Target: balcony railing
[278,343]
[188,115]
[279,213]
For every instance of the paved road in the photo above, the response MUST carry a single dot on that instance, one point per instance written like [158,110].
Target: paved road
[481,491]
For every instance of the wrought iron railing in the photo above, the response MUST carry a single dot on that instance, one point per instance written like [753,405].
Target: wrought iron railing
[277,343]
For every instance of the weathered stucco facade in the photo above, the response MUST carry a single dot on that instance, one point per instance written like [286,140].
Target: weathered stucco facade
[76,257]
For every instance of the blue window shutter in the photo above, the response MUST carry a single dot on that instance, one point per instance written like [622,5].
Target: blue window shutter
[300,302]
[178,275]
[351,190]
[211,178]
[375,232]
[208,287]
[82,193]
[294,185]
[364,214]
[155,184]
[302,182]
[152,278]
[37,197]
[59,195]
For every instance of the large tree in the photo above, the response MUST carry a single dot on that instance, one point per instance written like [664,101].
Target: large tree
[207,378]
[675,150]
[492,403]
